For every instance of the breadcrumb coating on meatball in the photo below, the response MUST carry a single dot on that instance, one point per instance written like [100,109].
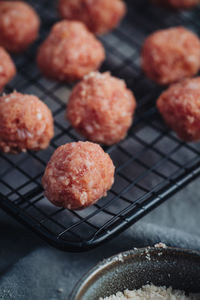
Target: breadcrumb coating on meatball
[100,16]
[25,123]
[7,68]
[170,55]
[77,175]
[101,108]
[179,106]
[19,25]
[69,52]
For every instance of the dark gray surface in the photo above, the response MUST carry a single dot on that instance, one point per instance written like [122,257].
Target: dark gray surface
[30,269]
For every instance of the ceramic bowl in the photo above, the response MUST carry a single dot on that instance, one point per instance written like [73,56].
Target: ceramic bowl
[174,267]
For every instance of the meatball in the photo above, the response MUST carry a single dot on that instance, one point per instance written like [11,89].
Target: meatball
[7,68]
[101,108]
[77,175]
[25,123]
[19,25]
[180,107]
[170,55]
[69,52]
[178,4]
[99,16]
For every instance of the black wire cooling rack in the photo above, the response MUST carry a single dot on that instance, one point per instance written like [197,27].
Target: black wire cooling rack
[151,163]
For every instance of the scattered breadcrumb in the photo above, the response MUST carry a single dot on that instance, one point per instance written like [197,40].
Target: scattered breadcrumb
[160,245]
[148,257]
[119,257]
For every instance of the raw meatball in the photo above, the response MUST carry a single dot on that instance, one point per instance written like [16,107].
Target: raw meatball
[178,3]
[101,108]
[19,25]
[70,52]
[180,107]
[99,16]
[170,55]
[7,68]
[25,123]
[77,175]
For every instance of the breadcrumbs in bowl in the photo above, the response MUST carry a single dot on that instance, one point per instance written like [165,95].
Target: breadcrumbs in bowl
[101,108]
[179,106]
[170,55]
[149,292]
[26,123]
[69,52]
[99,16]
[77,175]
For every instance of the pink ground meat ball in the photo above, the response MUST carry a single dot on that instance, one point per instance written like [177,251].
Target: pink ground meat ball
[19,25]
[70,52]
[178,3]
[25,123]
[7,68]
[100,16]
[77,175]
[180,107]
[101,108]
[170,55]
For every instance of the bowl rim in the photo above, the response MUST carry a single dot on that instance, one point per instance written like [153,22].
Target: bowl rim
[119,259]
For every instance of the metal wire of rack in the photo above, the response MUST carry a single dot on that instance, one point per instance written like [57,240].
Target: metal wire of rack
[151,163]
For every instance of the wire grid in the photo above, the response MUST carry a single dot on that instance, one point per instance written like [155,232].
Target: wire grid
[151,163]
